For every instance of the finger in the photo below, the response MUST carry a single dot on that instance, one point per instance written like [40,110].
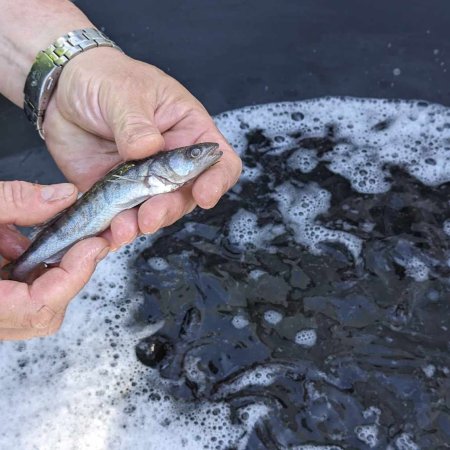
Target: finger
[38,305]
[14,334]
[124,228]
[165,209]
[23,203]
[134,129]
[12,242]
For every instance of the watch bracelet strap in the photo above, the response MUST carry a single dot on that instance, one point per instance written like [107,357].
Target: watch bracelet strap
[47,68]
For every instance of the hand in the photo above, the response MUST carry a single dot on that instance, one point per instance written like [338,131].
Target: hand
[108,108]
[38,309]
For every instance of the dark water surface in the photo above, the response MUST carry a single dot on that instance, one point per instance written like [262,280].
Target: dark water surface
[374,368]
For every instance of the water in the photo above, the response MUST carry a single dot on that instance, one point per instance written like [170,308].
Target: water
[309,310]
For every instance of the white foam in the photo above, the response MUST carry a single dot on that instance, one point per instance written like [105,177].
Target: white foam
[158,263]
[83,387]
[273,317]
[260,376]
[405,442]
[306,338]
[429,370]
[239,322]
[244,230]
[417,269]
[304,160]
[417,136]
[300,207]
[367,434]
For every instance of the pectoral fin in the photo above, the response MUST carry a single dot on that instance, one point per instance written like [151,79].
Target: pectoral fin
[57,257]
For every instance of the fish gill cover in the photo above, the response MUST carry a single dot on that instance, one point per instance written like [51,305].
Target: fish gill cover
[308,310]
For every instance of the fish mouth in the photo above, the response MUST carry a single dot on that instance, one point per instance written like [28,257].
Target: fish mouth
[213,153]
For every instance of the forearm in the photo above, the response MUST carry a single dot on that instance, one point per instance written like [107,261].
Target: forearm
[26,27]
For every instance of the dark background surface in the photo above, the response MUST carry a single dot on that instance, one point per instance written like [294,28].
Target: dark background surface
[233,53]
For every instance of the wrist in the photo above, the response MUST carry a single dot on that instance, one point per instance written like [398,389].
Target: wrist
[27,27]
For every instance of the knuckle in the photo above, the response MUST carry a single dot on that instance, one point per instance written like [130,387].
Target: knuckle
[43,318]
[12,194]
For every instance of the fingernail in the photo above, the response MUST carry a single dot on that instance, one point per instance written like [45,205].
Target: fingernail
[57,192]
[102,254]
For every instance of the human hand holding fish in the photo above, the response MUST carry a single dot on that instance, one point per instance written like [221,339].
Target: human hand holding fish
[38,309]
[109,108]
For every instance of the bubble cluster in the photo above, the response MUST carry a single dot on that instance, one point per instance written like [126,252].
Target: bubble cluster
[306,338]
[244,230]
[157,263]
[304,160]
[429,370]
[367,434]
[240,322]
[273,317]
[405,442]
[367,137]
[417,269]
[300,206]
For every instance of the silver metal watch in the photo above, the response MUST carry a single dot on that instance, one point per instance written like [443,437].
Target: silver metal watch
[47,68]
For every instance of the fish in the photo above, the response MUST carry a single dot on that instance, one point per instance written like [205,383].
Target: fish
[124,187]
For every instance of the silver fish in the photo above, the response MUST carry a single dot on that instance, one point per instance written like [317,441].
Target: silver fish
[124,187]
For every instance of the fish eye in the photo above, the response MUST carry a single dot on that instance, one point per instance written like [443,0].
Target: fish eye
[195,152]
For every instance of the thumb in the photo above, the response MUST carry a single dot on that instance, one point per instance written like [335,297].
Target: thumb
[25,204]
[136,134]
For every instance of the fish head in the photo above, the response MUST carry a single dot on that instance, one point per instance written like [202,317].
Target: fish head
[183,164]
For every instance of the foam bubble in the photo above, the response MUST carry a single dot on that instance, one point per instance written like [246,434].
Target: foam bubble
[367,434]
[405,442]
[369,136]
[260,376]
[306,338]
[417,269]
[273,317]
[429,370]
[304,160]
[157,263]
[244,230]
[240,322]
[300,207]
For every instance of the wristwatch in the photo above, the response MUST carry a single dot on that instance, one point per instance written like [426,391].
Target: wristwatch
[47,68]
